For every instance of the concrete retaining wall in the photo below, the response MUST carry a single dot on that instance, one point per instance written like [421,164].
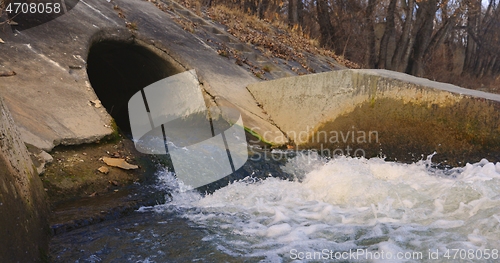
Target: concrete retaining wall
[24,230]
[380,111]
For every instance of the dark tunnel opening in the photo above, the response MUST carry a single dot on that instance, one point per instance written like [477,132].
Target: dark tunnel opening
[117,70]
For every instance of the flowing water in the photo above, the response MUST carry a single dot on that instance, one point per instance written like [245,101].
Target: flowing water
[341,210]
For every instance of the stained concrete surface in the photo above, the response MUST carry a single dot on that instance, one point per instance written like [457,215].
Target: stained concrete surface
[407,117]
[24,231]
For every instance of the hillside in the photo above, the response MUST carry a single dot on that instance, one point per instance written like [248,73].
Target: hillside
[271,31]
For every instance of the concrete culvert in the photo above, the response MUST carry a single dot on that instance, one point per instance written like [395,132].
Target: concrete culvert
[119,69]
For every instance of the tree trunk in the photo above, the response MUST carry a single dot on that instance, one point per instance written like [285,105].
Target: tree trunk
[426,13]
[300,12]
[325,24]
[261,8]
[293,12]
[473,13]
[444,32]
[404,46]
[384,59]
[371,58]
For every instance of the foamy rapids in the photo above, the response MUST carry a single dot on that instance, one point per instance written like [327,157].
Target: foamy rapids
[346,205]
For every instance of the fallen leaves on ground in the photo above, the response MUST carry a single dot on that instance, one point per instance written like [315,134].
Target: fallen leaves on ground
[119,162]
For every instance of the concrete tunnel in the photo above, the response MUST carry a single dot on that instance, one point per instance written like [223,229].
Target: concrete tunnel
[118,69]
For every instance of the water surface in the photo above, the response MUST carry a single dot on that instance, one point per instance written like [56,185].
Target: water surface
[381,211]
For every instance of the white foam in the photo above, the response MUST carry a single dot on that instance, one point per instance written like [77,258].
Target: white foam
[346,203]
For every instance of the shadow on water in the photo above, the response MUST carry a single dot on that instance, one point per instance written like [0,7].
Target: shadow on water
[165,236]
[140,237]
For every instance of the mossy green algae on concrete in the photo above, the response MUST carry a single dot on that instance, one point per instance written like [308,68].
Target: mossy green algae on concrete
[413,117]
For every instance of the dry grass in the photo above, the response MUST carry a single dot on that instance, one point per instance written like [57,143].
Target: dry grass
[275,39]
[191,4]
[440,68]
[131,25]
[272,36]
[186,24]
[485,83]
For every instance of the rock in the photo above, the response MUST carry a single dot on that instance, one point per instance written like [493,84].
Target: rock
[114,154]
[45,157]
[114,183]
[96,103]
[118,162]
[103,169]
[39,158]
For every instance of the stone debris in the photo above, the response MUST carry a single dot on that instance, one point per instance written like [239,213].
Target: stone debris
[40,159]
[96,103]
[114,183]
[118,162]
[103,169]
[43,155]
[7,73]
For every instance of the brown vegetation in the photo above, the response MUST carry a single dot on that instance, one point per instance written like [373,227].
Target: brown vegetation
[271,34]
[445,40]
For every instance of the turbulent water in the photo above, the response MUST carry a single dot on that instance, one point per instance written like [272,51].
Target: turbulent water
[351,209]
[336,210]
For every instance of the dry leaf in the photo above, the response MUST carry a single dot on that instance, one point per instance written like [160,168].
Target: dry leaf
[103,169]
[118,162]
[7,73]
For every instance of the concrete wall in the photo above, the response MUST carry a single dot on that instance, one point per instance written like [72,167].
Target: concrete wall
[409,115]
[24,230]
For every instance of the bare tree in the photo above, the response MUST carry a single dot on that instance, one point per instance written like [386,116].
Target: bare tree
[295,12]
[425,15]
[371,59]
[419,37]
[405,43]
[325,23]
[385,59]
